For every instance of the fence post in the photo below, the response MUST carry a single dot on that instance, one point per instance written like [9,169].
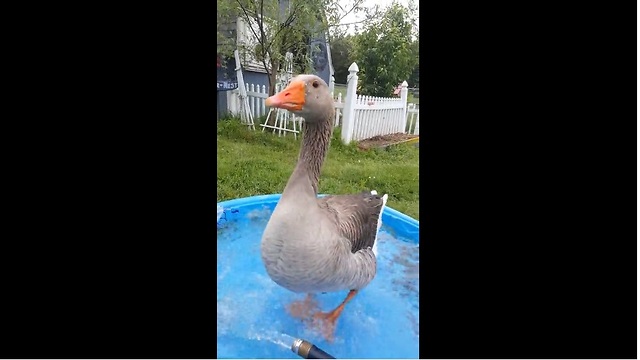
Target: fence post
[332,83]
[403,95]
[349,104]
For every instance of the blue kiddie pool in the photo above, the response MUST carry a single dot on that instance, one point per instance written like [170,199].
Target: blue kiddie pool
[253,321]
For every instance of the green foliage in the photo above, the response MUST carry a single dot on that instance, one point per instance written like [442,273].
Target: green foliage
[342,55]
[385,52]
[414,78]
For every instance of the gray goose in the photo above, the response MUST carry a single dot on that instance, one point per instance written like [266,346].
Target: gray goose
[313,244]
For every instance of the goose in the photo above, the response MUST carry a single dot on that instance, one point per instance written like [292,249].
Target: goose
[318,245]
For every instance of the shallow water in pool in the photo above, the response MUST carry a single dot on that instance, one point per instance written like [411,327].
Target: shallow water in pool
[253,322]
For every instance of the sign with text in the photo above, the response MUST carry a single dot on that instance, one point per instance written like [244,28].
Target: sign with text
[227,85]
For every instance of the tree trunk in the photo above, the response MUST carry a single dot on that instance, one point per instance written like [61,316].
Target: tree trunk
[272,83]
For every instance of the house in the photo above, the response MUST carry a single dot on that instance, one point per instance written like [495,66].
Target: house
[253,69]
[397,90]
[414,91]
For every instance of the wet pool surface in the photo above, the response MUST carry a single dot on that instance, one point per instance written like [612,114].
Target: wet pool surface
[253,321]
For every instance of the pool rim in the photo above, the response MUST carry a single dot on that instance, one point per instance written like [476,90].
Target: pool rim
[257,199]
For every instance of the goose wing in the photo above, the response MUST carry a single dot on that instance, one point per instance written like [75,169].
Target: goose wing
[358,217]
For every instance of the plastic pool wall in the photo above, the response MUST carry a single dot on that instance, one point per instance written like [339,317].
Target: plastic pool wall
[253,322]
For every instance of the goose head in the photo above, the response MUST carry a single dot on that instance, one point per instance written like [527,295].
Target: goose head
[307,96]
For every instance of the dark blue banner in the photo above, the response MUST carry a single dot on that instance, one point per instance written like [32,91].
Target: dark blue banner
[227,77]
[320,59]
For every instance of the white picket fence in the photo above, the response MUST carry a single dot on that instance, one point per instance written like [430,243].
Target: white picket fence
[412,122]
[360,116]
[256,95]
[373,116]
[368,116]
[413,119]
[339,106]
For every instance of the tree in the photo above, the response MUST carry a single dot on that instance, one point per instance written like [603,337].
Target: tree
[342,54]
[279,26]
[414,78]
[384,51]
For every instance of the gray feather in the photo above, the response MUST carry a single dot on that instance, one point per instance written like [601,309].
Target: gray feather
[356,216]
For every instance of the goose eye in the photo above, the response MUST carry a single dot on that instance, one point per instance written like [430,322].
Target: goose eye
[315,84]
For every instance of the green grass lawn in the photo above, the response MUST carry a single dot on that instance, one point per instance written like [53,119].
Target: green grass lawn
[340,89]
[256,163]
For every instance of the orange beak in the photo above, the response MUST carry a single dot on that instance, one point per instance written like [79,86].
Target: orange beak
[291,98]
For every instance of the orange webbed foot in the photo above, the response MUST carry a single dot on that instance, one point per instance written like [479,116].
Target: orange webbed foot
[325,323]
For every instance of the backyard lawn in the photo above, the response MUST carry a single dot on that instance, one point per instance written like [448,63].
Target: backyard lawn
[256,163]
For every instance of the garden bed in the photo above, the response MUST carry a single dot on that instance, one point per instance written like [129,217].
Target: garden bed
[386,140]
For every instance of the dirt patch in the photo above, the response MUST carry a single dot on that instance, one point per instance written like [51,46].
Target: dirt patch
[384,140]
